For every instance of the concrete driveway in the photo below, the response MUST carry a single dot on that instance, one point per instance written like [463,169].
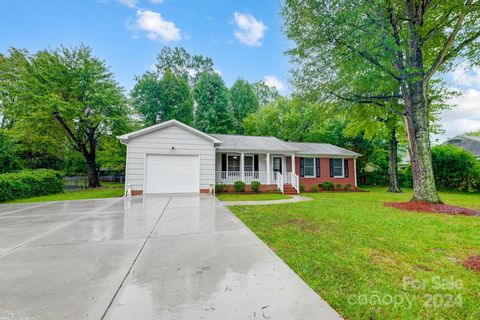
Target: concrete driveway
[153,257]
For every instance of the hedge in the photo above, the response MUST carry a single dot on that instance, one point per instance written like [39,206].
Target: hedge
[29,183]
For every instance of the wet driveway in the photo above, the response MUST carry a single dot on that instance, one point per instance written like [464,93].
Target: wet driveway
[153,257]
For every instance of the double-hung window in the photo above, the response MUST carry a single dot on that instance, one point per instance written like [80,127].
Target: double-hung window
[309,167]
[338,168]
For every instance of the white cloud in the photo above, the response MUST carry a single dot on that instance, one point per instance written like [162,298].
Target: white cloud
[466,76]
[156,27]
[463,117]
[273,82]
[156,1]
[129,3]
[250,31]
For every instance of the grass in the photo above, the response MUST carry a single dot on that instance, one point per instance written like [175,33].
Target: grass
[375,262]
[108,190]
[252,197]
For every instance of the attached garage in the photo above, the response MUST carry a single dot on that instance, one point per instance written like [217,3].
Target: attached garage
[170,157]
[172,173]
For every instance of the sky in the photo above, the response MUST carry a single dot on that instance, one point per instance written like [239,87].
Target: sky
[244,38]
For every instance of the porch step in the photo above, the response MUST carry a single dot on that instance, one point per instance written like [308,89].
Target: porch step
[289,189]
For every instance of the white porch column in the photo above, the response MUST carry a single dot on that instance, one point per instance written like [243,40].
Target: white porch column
[268,168]
[293,164]
[242,166]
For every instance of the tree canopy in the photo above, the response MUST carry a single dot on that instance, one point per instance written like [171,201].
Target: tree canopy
[243,101]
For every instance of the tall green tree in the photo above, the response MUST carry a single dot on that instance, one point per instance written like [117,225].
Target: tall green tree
[243,101]
[70,94]
[407,41]
[212,112]
[160,99]
[264,93]
[181,63]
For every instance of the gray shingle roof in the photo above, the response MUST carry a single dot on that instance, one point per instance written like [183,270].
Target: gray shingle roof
[322,149]
[252,143]
[469,143]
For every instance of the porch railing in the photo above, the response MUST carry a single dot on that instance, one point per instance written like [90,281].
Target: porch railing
[229,177]
[278,180]
[295,181]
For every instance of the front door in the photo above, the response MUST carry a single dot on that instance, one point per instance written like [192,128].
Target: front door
[277,164]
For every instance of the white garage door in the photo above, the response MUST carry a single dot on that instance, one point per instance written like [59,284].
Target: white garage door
[172,174]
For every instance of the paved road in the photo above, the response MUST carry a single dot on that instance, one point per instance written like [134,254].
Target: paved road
[158,257]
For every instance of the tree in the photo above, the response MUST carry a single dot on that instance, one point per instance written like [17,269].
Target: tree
[406,41]
[455,168]
[181,63]
[264,93]
[243,101]
[67,91]
[160,99]
[212,113]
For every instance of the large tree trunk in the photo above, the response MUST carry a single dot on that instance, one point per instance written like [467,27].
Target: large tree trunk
[92,173]
[394,185]
[424,188]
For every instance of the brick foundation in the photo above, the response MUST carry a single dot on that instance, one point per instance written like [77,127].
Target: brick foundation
[248,188]
[137,192]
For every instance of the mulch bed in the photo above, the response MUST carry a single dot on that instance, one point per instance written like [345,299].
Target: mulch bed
[433,208]
[473,262]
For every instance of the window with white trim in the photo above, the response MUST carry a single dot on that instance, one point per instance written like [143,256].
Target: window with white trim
[248,163]
[309,167]
[337,167]
[233,163]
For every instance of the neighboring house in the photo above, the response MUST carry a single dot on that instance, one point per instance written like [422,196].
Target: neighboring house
[469,143]
[173,157]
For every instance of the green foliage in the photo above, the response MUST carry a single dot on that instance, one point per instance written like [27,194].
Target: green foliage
[314,188]
[239,186]
[243,101]
[405,177]
[338,186]
[302,187]
[8,159]
[221,187]
[72,98]
[455,168]
[181,63]
[29,183]
[348,186]
[327,186]
[255,186]
[161,99]
[264,93]
[212,114]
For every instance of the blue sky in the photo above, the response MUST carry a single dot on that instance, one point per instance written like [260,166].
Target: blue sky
[243,37]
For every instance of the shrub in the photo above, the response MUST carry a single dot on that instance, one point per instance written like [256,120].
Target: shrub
[29,183]
[239,186]
[348,186]
[302,187]
[455,168]
[314,188]
[221,187]
[255,186]
[338,186]
[327,185]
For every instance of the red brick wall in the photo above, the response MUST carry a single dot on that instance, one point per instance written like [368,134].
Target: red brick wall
[325,174]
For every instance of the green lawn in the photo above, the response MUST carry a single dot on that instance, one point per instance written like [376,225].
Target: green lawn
[252,197]
[108,190]
[364,258]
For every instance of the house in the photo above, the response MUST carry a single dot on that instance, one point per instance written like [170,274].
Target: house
[172,157]
[469,143]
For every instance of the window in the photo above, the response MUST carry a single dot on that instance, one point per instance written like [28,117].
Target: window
[233,163]
[248,163]
[309,167]
[337,167]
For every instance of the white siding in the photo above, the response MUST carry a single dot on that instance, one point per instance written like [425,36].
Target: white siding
[161,142]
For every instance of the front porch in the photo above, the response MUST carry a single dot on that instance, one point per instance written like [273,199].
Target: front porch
[268,169]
